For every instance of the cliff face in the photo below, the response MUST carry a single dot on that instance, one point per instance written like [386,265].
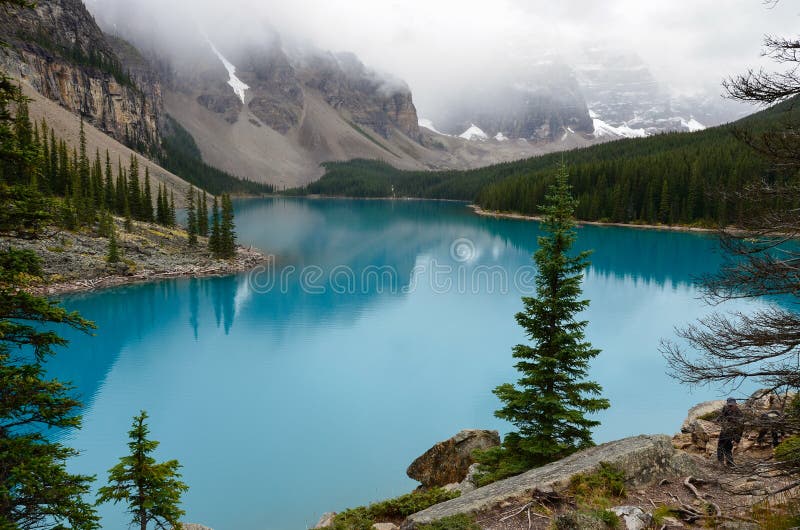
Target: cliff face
[347,85]
[59,49]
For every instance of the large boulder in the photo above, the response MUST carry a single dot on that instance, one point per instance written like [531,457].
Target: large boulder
[642,459]
[701,411]
[448,461]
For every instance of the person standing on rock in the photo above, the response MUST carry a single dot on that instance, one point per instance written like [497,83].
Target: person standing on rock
[730,420]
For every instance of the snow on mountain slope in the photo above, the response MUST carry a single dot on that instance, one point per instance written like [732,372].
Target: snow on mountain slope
[474,133]
[602,128]
[693,125]
[428,124]
[239,87]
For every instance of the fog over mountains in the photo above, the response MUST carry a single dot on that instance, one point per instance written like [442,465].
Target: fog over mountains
[271,90]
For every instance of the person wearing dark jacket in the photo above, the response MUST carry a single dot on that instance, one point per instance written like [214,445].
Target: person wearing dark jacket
[731,429]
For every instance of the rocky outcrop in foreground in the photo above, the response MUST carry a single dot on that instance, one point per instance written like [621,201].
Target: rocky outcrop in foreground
[641,458]
[448,462]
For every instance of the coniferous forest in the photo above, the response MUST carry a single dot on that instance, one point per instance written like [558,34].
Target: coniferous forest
[672,178]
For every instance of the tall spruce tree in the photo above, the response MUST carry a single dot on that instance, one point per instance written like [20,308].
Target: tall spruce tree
[134,191]
[202,214]
[151,490]
[172,218]
[147,197]
[227,234]
[36,490]
[550,401]
[214,237]
[191,217]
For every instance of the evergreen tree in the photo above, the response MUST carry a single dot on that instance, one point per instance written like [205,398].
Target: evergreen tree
[147,197]
[151,490]
[191,217]
[113,248]
[108,187]
[172,218]
[202,214]
[161,216]
[214,238]
[83,164]
[227,235]
[98,189]
[55,185]
[549,403]
[134,191]
[36,490]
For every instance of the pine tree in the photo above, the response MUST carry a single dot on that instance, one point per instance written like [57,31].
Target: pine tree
[172,218]
[550,400]
[151,490]
[108,195]
[147,197]
[134,192]
[36,489]
[227,235]
[214,238]
[113,248]
[191,217]
[202,214]
[161,217]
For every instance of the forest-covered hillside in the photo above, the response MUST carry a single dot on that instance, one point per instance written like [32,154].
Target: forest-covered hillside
[673,178]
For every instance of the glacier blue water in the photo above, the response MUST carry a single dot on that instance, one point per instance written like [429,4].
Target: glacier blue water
[380,329]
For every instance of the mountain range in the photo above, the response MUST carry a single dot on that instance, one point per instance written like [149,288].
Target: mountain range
[272,112]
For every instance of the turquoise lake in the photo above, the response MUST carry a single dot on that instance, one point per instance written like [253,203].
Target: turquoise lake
[382,328]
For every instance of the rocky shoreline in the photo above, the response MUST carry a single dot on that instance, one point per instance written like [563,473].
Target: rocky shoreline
[75,262]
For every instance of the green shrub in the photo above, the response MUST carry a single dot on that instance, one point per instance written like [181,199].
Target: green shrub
[454,522]
[607,482]
[607,517]
[19,261]
[661,512]
[413,502]
[363,517]
[586,519]
[788,452]
[497,463]
[777,517]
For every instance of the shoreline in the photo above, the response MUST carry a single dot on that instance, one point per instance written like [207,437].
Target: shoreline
[246,258]
[668,228]
[76,261]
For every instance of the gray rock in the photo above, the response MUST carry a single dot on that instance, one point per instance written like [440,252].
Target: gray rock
[385,526]
[469,483]
[326,520]
[634,517]
[701,409]
[643,459]
[448,461]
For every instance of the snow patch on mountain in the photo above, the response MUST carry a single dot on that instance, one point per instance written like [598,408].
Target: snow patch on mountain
[693,125]
[474,133]
[500,137]
[239,87]
[428,124]
[602,128]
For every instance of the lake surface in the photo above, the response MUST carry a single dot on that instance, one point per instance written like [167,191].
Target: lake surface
[381,329]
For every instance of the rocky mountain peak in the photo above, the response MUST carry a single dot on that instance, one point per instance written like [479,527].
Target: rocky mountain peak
[58,47]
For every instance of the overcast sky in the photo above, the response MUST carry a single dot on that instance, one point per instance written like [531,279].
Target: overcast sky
[436,44]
